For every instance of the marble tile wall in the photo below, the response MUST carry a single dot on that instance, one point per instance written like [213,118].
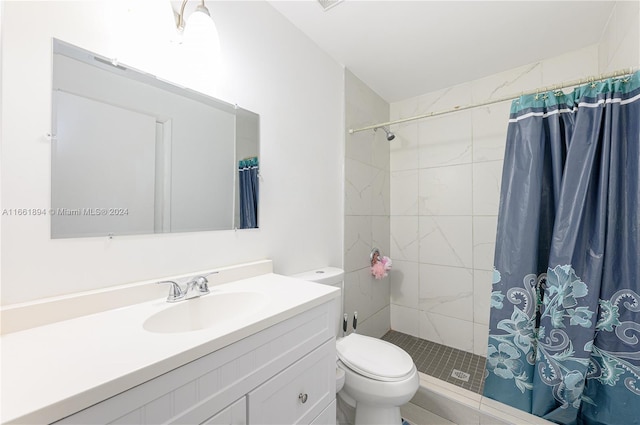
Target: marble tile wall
[367,208]
[620,43]
[445,187]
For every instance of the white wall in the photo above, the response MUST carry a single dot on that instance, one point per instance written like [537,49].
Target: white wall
[269,68]
[366,208]
[445,187]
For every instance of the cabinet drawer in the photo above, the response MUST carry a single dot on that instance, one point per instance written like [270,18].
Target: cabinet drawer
[236,414]
[298,394]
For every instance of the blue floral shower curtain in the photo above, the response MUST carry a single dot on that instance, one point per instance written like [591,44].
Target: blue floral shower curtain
[565,304]
[248,181]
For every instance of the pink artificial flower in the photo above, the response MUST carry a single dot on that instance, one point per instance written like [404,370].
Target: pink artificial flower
[378,270]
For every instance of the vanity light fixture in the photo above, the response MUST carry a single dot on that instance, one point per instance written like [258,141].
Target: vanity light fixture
[200,16]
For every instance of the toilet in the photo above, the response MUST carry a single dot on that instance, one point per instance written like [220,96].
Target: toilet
[379,377]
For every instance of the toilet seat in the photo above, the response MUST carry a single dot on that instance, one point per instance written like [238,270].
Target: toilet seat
[375,359]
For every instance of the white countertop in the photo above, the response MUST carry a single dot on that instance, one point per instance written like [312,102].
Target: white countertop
[52,371]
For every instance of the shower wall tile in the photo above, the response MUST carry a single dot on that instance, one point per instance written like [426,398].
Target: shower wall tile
[446,240]
[445,140]
[357,235]
[363,106]
[517,80]
[444,99]
[404,109]
[619,45]
[364,294]
[381,192]
[404,148]
[404,238]
[627,16]
[445,190]
[487,177]
[404,192]
[405,283]
[628,52]
[379,294]
[563,67]
[447,291]
[490,131]
[377,324]
[608,45]
[446,330]
[380,150]
[482,287]
[404,153]
[405,320]
[381,233]
[484,241]
[359,181]
[358,147]
[480,339]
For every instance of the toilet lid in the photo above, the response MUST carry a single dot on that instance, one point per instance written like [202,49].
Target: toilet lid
[374,358]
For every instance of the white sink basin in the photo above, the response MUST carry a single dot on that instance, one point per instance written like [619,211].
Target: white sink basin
[205,312]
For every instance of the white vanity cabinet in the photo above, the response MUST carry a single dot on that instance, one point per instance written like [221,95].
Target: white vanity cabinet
[236,414]
[284,374]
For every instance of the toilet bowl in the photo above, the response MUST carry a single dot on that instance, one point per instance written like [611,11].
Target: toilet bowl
[379,377]
[340,377]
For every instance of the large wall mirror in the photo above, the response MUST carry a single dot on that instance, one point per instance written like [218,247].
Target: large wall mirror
[133,154]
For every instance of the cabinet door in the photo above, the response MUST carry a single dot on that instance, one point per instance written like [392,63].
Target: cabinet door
[298,394]
[236,414]
[328,416]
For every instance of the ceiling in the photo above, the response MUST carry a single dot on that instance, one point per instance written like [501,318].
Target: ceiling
[403,49]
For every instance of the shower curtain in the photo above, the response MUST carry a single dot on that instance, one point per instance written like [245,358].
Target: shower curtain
[248,181]
[565,303]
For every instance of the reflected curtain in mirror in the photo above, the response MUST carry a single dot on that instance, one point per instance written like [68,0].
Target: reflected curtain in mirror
[248,172]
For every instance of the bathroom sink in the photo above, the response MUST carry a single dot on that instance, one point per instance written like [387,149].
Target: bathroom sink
[205,312]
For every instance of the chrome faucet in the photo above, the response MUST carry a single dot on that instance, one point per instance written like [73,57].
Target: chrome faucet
[196,287]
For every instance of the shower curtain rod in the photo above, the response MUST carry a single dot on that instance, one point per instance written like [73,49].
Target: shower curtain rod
[618,73]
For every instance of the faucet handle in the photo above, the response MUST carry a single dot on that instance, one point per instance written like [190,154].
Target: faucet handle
[202,284]
[175,292]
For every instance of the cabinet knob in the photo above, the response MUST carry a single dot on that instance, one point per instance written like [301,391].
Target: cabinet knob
[303,398]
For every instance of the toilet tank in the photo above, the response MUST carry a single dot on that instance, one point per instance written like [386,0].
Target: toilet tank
[328,276]
[325,275]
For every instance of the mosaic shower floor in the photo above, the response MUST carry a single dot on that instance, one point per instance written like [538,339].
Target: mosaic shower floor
[457,367]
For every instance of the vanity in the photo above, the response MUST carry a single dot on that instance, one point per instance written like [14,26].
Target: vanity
[255,350]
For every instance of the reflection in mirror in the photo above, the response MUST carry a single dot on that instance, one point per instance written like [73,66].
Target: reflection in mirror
[132,154]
